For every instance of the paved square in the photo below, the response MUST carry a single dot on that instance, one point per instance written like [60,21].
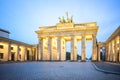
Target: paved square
[53,71]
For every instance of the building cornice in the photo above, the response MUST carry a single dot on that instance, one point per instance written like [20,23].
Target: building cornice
[4,31]
[3,39]
[114,34]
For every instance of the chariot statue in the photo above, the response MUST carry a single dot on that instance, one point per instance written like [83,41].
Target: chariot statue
[67,20]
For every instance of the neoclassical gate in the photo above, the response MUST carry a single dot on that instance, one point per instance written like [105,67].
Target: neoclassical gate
[52,40]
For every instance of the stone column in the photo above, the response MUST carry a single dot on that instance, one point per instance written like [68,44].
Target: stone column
[18,52]
[63,45]
[9,51]
[36,53]
[111,51]
[73,48]
[59,48]
[108,51]
[41,48]
[83,53]
[119,48]
[115,55]
[25,53]
[31,54]
[98,52]
[50,47]
[94,51]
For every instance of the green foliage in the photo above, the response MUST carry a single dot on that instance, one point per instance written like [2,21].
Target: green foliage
[67,55]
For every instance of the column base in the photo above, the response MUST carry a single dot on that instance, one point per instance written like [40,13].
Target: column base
[73,60]
[94,60]
[83,60]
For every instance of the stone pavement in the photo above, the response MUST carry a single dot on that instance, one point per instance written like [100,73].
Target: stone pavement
[53,71]
[108,67]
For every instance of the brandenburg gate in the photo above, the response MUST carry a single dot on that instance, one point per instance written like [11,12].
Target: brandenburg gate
[52,40]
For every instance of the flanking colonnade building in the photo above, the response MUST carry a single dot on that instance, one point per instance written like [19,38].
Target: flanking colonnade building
[111,51]
[12,50]
[113,47]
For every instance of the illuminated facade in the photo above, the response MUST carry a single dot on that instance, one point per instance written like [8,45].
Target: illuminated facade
[52,40]
[11,50]
[52,43]
[113,47]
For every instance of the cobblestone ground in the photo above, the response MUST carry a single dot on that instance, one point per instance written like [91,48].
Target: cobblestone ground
[53,71]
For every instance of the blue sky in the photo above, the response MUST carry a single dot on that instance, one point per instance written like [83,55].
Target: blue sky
[23,17]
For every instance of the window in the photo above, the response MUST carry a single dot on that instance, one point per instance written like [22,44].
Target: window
[1,47]
[11,48]
[1,55]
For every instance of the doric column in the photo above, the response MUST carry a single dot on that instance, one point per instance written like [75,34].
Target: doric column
[83,53]
[9,51]
[115,55]
[119,48]
[31,54]
[59,48]
[36,53]
[25,53]
[107,48]
[50,47]
[98,52]
[111,51]
[41,48]
[73,48]
[18,52]
[63,50]
[109,54]
[94,50]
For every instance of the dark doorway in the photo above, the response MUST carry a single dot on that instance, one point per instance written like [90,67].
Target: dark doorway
[12,56]
[101,55]
[67,55]
[28,55]
[118,57]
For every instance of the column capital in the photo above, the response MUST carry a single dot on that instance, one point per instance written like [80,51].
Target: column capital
[50,36]
[72,36]
[42,37]
[94,35]
[83,34]
[60,36]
